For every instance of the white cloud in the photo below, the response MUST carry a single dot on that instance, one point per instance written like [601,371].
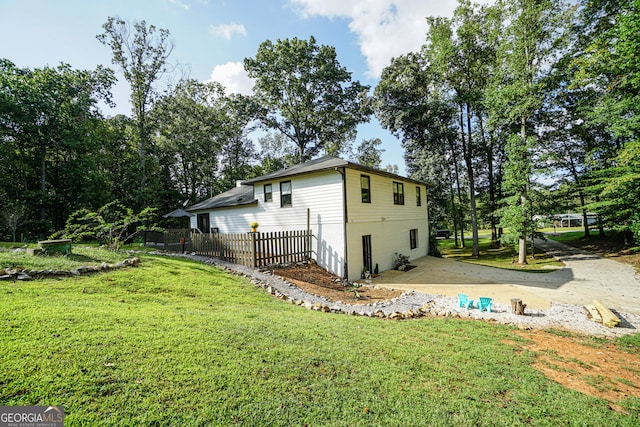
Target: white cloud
[233,77]
[385,28]
[183,5]
[227,30]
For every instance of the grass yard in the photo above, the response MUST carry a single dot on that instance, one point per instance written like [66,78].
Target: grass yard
[500,257]
[174,342]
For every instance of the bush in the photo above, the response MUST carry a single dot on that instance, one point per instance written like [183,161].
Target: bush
[111,225]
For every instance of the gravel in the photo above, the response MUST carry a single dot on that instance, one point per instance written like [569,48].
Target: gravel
[415,304]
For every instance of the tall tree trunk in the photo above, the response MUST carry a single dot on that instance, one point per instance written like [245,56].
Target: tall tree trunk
[533,246]
[453,210]
[468,158]
[460,202]
[522,242]
[585,217]
[43,189]
[492,184]
[143,168]
[581,196]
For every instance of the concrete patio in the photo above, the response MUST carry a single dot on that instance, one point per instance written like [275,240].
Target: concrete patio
[585,277]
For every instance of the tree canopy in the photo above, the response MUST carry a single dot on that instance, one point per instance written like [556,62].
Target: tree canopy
[497,98]
[305,94]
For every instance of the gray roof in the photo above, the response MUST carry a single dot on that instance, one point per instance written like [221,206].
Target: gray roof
[178,213]
[243,195]
[322,164]
[238,196]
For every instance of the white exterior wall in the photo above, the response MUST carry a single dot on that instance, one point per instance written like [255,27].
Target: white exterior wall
[388,224]
[320,192]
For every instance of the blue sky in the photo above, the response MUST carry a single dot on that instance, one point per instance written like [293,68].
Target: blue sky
[212,37]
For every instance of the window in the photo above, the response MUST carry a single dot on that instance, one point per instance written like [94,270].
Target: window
[285,194]
[398,193]
[365,188]
[268,193]
[413,238]
[418,197]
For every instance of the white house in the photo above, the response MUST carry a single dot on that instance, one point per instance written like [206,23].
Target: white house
[360,217]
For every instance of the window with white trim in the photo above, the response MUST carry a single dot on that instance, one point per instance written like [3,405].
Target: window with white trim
[285,194]
[365,188]
[398,193]
[268,193]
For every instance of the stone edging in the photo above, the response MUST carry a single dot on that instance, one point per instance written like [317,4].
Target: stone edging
[409,305]
[28,274]
[412,305]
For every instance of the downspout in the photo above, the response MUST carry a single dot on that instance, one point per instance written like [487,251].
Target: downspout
[345,219]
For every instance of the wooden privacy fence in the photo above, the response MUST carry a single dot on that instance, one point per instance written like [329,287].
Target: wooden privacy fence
[255,249]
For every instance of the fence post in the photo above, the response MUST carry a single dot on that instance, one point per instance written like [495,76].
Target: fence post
[254,252]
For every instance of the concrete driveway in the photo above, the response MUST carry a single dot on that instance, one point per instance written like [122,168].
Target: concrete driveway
[584,278]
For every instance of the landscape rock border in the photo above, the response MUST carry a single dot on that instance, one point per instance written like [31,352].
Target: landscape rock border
[30,274]
[413,305]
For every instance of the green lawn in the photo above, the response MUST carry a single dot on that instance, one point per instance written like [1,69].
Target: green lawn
[173,342]
[500,257]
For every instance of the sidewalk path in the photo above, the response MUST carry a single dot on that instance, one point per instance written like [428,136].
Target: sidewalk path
[584,278]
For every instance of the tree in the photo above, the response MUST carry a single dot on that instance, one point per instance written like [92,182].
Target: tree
[191,121]
[305,94]
[276,152]
[141,53]
[48,124]
[14,215]
[517,214]
[462,52]
[533,39]
[368,154]
[608,63]
[411,102]
[238,152]
[112,224]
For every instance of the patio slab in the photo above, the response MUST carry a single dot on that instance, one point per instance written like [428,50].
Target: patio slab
[584,278]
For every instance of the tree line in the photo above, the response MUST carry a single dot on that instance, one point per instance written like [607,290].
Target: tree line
[521,108]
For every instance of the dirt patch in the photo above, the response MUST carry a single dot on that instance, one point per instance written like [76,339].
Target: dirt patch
[596,369]
[315,280]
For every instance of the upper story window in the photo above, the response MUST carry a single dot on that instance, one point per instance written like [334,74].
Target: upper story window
[365,188]
[285,194]
[398,193]
[418,197]
[268,193]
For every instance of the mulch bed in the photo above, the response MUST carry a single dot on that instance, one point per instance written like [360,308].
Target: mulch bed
[315,280]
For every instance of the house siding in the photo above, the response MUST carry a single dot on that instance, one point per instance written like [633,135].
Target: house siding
[318,193]
[388,224]
[338,246]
